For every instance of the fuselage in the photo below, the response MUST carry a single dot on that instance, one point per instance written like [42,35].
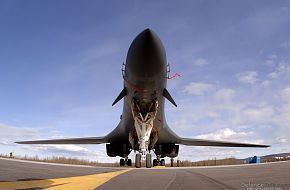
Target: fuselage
[145,73]
[145,78]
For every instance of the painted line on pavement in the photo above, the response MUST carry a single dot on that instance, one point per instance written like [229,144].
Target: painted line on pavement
[87,182]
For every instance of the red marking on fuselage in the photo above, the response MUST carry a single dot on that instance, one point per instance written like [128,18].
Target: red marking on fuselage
[174,76]
[134,86]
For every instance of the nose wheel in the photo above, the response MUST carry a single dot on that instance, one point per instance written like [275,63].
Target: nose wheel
[138,161]
[148,161]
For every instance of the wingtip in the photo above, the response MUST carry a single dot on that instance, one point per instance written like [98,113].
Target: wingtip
[23,142]
[261,146]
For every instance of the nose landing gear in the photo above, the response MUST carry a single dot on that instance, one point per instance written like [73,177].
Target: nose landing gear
[144,116]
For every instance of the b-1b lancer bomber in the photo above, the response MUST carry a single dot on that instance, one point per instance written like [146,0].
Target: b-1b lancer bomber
[143,127]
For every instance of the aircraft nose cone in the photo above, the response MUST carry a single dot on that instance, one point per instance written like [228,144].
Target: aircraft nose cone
[146,56]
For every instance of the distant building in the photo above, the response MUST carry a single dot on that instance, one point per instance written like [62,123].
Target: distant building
[255,160]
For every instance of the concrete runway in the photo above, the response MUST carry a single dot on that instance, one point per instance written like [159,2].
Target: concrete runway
[19,170]
[274,175]
[270,176]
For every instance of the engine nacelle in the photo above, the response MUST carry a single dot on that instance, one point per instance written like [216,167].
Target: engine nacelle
[117,149]
[169,150]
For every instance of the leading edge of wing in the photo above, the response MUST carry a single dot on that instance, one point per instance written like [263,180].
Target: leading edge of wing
[86,140]
[201,142]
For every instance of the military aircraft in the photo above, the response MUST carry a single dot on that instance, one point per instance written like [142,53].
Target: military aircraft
[143,127]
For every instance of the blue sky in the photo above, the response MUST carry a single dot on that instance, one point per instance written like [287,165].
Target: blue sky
[60,70]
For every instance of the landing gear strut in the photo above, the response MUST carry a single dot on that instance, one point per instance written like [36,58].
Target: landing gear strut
[171,162]
[144,115]
[178,163]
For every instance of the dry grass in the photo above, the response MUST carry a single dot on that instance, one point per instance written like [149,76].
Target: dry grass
[275,159]
[210,162]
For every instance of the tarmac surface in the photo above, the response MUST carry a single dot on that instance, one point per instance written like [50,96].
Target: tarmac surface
[268,176]
[20,170]
[275,176]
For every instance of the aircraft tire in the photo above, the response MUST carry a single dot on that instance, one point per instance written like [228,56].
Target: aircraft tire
[155,162]
[162,162]
[148,161]
[138,161]
[122,162]
[129,162]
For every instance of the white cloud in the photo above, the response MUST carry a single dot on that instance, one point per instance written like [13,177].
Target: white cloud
[56,134]
[10,134]
[283,69]
[231,135]
[250,77]
[224,94]
[266,83]
[252,119]
[62,148]
[200,62]
[225,134]
[271,60]
[258,113]
[273,56]
[74,151]
[273,75]
[203,153]
[285,94]
[198,88]
[282,140]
